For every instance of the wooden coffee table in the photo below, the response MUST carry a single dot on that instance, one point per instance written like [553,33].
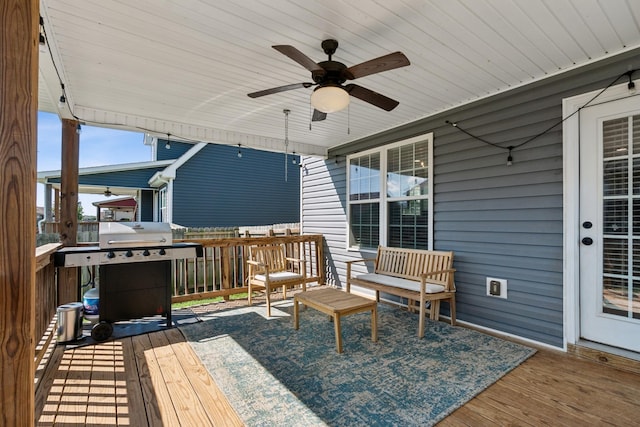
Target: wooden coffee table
[336,304]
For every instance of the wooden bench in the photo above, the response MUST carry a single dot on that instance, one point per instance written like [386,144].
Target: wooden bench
[418,275]
[270,268]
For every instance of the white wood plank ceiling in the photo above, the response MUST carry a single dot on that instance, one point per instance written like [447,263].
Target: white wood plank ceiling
[185,67]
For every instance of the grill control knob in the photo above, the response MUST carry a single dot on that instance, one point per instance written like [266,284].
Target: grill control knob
[129,254]
[162,252]
[111,254]
[146,252]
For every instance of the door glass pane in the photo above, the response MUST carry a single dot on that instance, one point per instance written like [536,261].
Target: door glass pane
[621,217]
[616,216]
[615,256]
[615,297]
[615,134]
[616,174]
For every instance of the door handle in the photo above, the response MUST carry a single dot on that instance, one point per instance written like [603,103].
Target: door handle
[587,241]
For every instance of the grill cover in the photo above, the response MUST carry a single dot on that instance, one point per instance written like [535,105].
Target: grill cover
[134,234]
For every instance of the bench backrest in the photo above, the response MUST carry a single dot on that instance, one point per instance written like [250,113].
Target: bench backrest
[410,263]
[272,256]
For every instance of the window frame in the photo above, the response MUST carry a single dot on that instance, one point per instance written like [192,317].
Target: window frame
[384,200]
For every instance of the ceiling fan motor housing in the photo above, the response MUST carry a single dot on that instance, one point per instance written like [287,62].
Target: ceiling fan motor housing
[332,73]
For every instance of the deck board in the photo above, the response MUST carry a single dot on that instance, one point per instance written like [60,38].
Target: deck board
[157,380]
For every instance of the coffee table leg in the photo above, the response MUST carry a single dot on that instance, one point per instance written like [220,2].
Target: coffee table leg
[374,323]
[295,314]
[336,324]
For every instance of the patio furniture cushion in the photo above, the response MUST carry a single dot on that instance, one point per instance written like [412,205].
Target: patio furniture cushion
[279,276]
[270,268]
[399,282]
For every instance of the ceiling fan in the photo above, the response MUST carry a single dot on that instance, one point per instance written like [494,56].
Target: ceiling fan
[329,76]
[108,192]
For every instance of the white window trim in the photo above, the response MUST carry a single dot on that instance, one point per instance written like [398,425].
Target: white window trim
[383,199]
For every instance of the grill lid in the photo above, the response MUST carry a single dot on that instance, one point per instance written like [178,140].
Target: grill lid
[134,234]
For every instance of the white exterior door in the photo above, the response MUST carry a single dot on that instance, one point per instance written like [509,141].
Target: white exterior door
[610,223]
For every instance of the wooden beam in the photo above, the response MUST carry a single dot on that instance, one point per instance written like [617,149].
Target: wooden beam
[18,129]
[68,289]
[69,183]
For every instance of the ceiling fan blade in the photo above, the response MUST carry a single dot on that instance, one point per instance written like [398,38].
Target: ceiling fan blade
[377,65]
[299,57]
[318,116]
[279,89]
[371,97]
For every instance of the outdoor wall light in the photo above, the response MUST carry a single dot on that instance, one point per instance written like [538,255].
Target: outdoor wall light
[329,99]
[631,85]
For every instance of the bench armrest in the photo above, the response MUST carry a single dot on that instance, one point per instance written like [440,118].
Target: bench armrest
[302,261]
[360,260]
[348,263]
[433,273]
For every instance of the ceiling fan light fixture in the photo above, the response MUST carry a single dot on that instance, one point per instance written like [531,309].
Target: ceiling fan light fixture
[329,99]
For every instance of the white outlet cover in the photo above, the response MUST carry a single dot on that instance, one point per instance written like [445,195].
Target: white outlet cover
[503,287]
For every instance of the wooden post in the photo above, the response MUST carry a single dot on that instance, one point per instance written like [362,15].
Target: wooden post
[68,290]
[56,205]
[18,143]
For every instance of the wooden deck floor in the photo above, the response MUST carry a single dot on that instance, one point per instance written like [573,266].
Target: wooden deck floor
[156,380]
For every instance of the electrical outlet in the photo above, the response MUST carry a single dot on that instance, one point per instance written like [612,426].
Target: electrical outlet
[497,287]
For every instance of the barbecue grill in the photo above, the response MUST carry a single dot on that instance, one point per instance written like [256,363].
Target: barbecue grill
[134,261]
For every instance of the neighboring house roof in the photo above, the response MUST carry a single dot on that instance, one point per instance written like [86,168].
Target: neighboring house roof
[123,202]
[163,176]
[123,179]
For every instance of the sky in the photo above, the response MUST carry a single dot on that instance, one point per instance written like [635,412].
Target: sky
[98,147]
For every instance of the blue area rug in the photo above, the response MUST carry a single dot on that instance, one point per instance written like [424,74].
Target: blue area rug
[275,375]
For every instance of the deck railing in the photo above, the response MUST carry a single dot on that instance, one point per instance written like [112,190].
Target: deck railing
[46,298]
[219,273]
[222,270]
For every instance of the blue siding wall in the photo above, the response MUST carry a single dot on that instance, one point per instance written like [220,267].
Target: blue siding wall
[501,221]
[215,188]
[138,178]
[146,205]
[177,149]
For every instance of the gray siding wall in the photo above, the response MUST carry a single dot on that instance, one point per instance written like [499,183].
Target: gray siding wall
[215,188]
[500,221]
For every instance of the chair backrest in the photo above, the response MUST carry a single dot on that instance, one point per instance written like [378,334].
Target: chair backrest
[272,256]
[411,263]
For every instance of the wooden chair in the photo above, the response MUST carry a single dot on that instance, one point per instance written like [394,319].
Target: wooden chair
[270,268]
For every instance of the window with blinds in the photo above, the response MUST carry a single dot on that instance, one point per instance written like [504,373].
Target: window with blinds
[390,196]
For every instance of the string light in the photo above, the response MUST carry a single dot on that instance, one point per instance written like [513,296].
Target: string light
[239,152]
[78,129]
[631,85]
[168,144]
